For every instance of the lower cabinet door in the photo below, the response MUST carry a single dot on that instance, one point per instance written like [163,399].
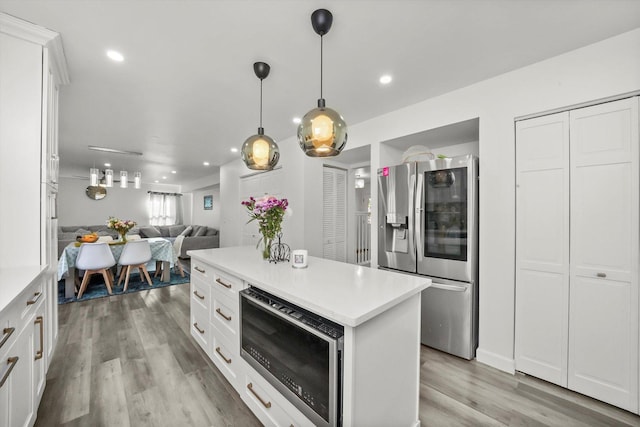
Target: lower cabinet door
[17,390]
[267,403]
[225,356]
[200,327]
[39,355]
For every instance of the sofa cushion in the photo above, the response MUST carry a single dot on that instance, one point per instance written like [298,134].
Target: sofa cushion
[187,231]
[211,232]
[71,228]
[81,231]
[164,230]
[150,231]
[199,230]
[176,230]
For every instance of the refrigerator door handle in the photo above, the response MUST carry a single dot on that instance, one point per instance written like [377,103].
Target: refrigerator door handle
[411,223]
[419,211]
[455,288]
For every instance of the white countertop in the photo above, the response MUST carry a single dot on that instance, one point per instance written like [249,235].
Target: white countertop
[345,293]
[14,280]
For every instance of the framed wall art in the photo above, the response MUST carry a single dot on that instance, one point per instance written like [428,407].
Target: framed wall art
[208,203]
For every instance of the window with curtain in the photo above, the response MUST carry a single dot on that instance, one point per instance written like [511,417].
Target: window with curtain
[164,208]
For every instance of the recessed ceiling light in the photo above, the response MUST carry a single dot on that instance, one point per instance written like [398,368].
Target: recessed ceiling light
[108,165]
[156,181]
[297,120]
[205,163]
[164,177]
[114,55]
[386,79]
[173,172]
[234,150]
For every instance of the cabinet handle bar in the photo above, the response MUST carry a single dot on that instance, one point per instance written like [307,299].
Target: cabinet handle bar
[198,295]
[40,321]
[35,299]
[195,325]
[199,269]
[222,355]
[226,285]
[227,318]
[12,362]
[7,333]
[266,404]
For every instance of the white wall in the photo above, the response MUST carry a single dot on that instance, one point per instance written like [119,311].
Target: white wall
[601,70]
[75,208]
[200,216]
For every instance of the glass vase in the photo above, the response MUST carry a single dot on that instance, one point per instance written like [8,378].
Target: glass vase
[123,236]
[266,247]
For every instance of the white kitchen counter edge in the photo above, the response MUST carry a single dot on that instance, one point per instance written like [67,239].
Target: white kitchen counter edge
[14,280]
[344,293]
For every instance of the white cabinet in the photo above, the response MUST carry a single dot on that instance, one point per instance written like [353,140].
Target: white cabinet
[577,242]
[32,67]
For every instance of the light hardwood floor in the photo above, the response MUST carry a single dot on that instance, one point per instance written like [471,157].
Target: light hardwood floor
[129,360]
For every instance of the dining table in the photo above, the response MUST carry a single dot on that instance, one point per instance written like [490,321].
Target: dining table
[161,250]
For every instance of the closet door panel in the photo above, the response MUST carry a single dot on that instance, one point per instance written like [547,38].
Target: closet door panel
[603,309]
[542,247]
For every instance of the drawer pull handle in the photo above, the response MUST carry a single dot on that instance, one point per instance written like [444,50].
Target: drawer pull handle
[40,321]
[12,362]
[195,325]
[7,333]
[226,285]
[266,404]
[227,318]
[198,295]
[199,269]
[222,355]
[601,274]
[35,299]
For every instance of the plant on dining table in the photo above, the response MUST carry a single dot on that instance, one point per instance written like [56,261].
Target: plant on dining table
[121,226]
[268,211]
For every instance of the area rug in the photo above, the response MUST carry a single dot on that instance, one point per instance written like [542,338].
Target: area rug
[97,289]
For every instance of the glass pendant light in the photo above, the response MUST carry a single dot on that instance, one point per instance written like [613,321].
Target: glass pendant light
[322,131]
[137,180]
[124,179]
[93,177]
[108,177]
[260,152]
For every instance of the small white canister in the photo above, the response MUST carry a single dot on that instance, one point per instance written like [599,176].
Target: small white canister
[299,258]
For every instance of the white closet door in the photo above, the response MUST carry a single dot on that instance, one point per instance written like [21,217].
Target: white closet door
[334,214]
[542,247]
[603,310]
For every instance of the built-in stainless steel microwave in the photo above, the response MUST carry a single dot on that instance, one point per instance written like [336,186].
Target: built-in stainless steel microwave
[298,352]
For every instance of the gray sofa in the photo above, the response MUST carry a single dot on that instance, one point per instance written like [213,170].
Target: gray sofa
[195,236]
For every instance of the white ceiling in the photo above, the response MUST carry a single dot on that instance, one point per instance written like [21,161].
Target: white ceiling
[186,91]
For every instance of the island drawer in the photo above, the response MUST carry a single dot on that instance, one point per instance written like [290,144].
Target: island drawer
[200,293]
[225,356]
[268,404]
[200,327]
[10,326]
[201,270]
[224,316]
[226,284]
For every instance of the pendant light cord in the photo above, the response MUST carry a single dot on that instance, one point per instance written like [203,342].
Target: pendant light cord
[321,62]
[260,102]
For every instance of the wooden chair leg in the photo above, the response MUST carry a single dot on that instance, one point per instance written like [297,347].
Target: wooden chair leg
[143,269]
[107,280]
[179,265]
[85,282]
[126,280]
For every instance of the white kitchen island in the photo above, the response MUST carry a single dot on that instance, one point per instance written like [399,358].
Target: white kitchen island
[379,310]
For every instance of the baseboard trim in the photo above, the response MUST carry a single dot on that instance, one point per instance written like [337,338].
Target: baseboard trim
[496,361]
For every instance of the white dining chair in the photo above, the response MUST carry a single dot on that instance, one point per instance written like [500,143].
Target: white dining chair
[135,254]
[104,239]
[177,245]
[95,258]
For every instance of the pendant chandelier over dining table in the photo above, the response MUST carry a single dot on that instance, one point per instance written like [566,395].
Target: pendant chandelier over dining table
[322,131]
[260,151]
[107,178]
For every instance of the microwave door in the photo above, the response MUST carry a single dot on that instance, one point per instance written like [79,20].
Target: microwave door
[396,244]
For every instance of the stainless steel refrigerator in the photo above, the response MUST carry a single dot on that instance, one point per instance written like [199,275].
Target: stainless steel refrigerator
[428,225]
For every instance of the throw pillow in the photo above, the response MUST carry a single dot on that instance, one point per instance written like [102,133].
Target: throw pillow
[187,231]
[211,232]
[150,232]
[199,230]
[175,230]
